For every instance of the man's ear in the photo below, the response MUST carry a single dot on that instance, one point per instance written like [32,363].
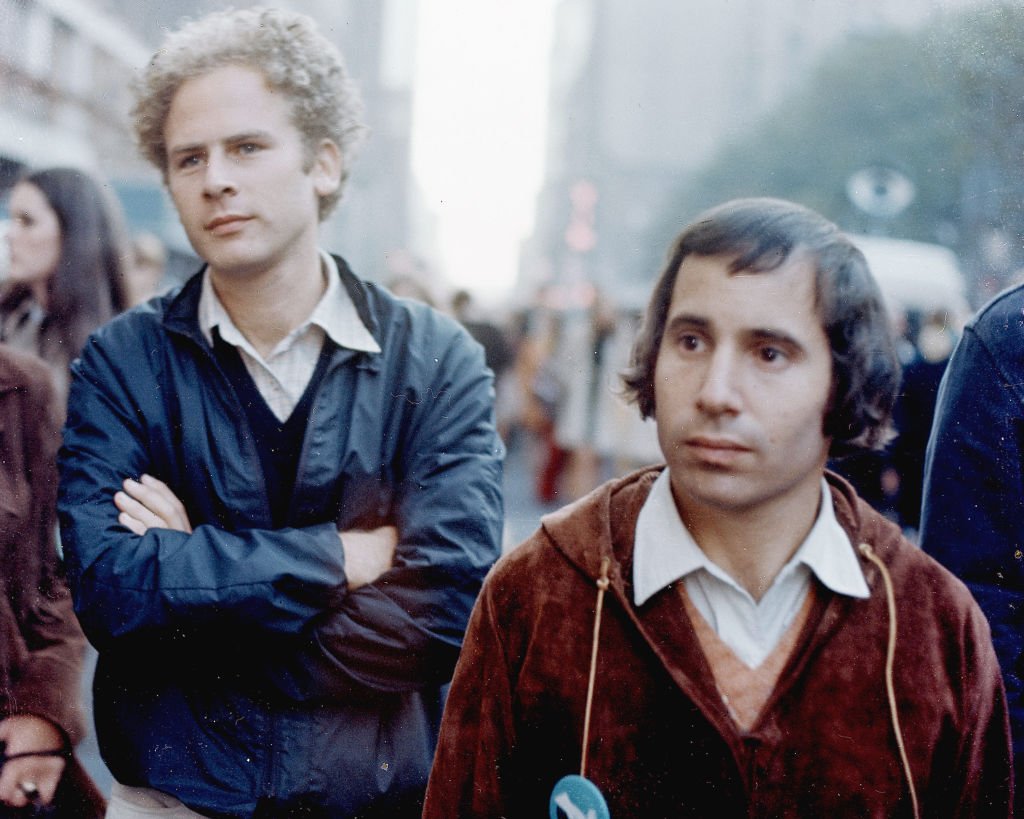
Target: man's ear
[327,166]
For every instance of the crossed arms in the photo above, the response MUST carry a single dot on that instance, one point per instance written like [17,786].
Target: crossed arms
[366,608]
[149,503]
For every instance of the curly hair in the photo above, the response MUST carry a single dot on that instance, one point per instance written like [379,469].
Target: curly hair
[759,235]
[293,56]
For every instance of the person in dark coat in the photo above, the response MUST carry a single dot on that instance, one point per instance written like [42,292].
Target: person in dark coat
[280,485]
[915,410]
[42,646]
[972,515]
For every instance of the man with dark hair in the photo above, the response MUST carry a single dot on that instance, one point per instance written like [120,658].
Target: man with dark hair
[734,633]
[280,485]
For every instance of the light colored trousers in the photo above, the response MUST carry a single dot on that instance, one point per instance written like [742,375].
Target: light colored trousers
[145,803]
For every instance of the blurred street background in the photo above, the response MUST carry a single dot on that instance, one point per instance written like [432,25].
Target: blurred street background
[528,165]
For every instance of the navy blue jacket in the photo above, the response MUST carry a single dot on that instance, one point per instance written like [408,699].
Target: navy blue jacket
[972,517]
[236,669]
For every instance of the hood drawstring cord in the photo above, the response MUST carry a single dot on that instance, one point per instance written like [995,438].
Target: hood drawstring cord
[890,657]
[602,587]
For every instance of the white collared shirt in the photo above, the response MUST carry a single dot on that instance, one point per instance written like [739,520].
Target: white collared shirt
[665,551]
[283,376]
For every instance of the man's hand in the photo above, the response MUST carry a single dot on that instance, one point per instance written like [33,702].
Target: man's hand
[368,554]
[24,733]
[148,503]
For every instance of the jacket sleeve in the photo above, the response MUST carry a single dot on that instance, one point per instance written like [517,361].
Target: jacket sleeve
[469,775]
[972,519]
[406,629]
[167,582]
[983,784]
[47,683]
[49,678]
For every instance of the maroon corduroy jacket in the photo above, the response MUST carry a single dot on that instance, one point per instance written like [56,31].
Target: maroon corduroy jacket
[661,741]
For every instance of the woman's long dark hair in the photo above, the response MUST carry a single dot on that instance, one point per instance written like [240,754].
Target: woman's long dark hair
[88,287]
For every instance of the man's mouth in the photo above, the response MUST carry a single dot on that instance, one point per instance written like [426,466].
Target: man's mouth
[227,223]
[715,442]
[716,450]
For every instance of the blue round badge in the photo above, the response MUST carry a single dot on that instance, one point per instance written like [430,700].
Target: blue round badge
[574,797]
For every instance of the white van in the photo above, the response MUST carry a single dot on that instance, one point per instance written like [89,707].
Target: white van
[917,276]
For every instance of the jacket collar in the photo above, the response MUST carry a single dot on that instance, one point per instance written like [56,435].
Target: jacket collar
[603,524]
[182,313]
[665,551]
[334,314]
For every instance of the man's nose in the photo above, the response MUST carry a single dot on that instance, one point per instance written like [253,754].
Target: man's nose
[218,180]
[719,389]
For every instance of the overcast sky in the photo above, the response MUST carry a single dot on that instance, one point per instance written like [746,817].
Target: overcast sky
[479,126]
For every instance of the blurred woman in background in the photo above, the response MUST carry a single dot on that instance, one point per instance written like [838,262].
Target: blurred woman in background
[41,643]
[68,253]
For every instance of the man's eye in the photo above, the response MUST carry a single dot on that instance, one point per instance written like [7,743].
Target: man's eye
[771,355]
[690,342]
[189,161]
[248,148]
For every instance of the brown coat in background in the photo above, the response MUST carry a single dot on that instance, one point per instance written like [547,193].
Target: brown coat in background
[41,644]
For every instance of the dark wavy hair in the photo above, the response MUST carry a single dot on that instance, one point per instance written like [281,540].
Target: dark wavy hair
[759,235]
[87,288]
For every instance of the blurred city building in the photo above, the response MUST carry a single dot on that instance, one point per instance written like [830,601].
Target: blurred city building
[642,94]
[63,96]
[65,67]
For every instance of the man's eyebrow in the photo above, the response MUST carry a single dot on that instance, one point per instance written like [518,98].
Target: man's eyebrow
[777,337]
[234,139]
[186,148]
[680,320]
[245,136]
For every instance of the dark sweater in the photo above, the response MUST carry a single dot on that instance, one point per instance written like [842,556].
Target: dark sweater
[279,443]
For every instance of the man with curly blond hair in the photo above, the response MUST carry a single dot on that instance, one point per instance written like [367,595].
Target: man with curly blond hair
[280,485]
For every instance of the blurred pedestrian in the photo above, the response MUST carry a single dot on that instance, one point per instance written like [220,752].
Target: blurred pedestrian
[499,353]
[540,374]
[145,275]
[42,648]
[406,286]
[915,409]
[735,629]
[281,485]
[580,356]
[497,349]
[67,264]
[972,516]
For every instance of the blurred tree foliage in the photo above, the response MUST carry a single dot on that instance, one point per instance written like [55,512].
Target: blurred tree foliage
[944,105]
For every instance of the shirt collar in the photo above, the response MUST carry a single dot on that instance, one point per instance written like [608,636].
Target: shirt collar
[665,550]
[335,314]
